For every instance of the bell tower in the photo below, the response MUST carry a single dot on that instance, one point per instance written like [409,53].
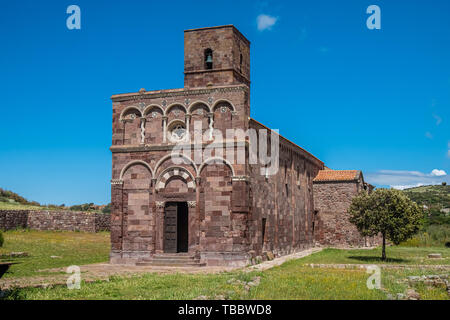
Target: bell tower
[216,56]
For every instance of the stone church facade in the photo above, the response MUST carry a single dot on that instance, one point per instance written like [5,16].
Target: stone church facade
[212,211]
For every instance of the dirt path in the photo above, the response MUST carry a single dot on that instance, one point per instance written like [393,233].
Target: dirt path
[279,261]
[103,272]
[100,272]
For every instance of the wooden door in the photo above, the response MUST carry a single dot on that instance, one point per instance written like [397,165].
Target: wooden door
[170,228]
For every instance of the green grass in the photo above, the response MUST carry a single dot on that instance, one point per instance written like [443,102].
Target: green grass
[395,255]
[73,248]
[290,281]
[20,206]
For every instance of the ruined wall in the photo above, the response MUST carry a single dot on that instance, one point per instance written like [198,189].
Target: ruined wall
[54,220]
[332,227]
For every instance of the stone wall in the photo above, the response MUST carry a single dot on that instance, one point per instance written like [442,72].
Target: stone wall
[331,224]
[54,220]
[282,207]
[10,220]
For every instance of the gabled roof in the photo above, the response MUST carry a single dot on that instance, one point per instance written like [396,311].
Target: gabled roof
[337,175]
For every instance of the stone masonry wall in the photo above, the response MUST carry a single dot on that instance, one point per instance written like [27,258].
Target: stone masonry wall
[54,220]
[332,226]
[282,204]
[10,220]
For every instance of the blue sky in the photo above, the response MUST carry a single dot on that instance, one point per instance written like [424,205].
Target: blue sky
[375,100]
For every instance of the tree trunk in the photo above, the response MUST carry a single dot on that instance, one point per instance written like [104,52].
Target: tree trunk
[383,253]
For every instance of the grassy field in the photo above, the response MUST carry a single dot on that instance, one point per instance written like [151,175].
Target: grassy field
[66,248]
[292,280]
[20,206]
[395,255]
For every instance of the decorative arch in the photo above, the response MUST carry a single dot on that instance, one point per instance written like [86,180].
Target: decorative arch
[215,159]
[175,171]
[174,121]
[135,162]
[179,155]
[124,111]
[173,106]
[216,104]
[196,103]
[151,107]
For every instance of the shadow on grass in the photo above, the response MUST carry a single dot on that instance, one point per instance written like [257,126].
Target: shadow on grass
[373,259]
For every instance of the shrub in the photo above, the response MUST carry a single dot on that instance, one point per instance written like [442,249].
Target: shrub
[1,239]
[431,236]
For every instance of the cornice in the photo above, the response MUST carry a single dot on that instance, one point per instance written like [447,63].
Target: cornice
[177,93]
[169,147]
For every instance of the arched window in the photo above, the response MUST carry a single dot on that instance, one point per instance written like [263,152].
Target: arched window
[208,59]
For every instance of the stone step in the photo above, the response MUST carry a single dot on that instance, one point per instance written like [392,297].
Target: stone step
[180,254]
[171,263]
[174,258]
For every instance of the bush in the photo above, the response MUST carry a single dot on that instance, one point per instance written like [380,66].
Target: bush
[431,236]
[1,239]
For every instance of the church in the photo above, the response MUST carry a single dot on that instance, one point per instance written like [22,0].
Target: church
[206,206]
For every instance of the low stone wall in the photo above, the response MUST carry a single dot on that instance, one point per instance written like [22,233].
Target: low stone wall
[54,220]
[10,219]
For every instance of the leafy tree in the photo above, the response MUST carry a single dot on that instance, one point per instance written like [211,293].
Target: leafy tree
[387,212]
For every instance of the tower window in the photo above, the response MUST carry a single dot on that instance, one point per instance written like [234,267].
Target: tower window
[208,59]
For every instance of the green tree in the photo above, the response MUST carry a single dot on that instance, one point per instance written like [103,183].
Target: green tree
[387,212]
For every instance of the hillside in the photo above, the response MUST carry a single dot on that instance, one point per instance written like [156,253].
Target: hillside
[12,201]
[435,199]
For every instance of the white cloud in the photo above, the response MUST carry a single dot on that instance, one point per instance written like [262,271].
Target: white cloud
[407,186]
[265,22]
[399,179]
[438,173]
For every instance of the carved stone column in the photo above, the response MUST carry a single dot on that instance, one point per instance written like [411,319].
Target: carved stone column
[188,120]
[211,125]
[164,128]
[143,130]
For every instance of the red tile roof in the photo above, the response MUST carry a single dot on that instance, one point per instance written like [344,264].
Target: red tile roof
[337,175]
